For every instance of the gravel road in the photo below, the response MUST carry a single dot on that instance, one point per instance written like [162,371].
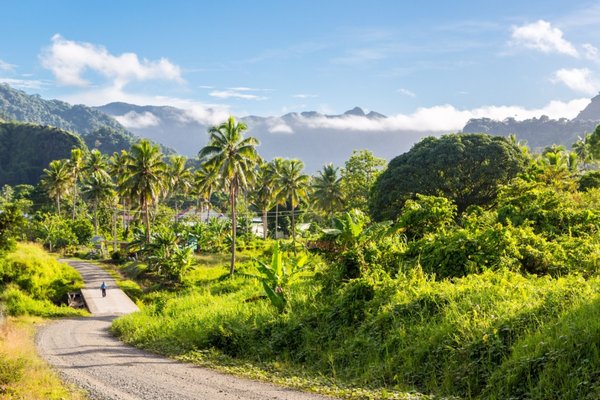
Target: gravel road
[85,353]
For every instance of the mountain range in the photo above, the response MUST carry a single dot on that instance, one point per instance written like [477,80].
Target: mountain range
[97,129]
[313,137]
[543,131]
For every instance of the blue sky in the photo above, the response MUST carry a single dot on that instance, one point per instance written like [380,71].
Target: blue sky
[425,63]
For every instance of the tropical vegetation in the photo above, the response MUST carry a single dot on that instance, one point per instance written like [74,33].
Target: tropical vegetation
[468,267]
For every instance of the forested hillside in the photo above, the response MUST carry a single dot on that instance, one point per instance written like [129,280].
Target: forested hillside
[26,149]
[97,129]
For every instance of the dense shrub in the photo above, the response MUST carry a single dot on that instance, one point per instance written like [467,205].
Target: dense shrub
[471,337]
[38,274]
[18,302]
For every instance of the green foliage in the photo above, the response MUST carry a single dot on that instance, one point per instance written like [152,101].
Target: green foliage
[463,338]
[53,232]
[83,230]
[358,176]
[38,273]
[464,168]
[549,210]
[426,214]
[32,282]
[18,302]
[461,251]
[26,149]
[276,277]
[11,221]
[96,128]
[589,180]
[166,257]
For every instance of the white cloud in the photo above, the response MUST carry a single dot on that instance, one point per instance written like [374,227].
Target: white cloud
[305,96]
[237,93]
[540,35]
[138,120]
[444,118]
[24,83]
[578,79]
[4,66]
[591,52]
[207,114]
[68,60]
[277,125]
[406,92]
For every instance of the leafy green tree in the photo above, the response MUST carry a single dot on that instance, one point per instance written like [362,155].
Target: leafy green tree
[358,176]
[327,190]
[54,232]
[593,140]
[293,185]
[464,168]
[589,180]
[426,214]
[11,220]
[145,177]
[57,181]
[235,158]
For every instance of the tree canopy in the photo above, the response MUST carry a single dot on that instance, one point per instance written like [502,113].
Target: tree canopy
[464,168]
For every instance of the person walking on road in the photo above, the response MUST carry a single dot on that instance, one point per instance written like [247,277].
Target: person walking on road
[103,289]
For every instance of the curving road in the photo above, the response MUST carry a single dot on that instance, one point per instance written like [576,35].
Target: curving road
[85,353]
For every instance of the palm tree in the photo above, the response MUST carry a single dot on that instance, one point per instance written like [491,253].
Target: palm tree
[327,189]
[145,173]
[117,167]
[97,189]
[583,149]
[96,163]
[294,186]
[206,182]
[57,180]
[274,169]
[76,164]
[264,195]
[234,157]
[180,178]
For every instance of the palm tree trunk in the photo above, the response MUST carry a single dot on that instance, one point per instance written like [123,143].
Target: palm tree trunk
[233,228]
[74,197]
[58,204]
[264,223]
[293,231]
[146,217]
[276,218]
[96,217]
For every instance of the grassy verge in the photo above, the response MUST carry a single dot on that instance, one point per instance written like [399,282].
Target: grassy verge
[497,335]
[23,375]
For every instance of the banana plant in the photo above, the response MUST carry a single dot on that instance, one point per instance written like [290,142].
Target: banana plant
[276,277]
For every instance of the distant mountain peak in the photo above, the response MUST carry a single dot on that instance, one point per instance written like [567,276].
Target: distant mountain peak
[592,111]
[375,115]
[357,111]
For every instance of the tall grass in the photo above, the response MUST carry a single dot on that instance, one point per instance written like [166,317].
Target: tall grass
[23,375]
[32,282]
[494,335]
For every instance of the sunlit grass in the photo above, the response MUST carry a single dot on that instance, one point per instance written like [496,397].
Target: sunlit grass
[23,375]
